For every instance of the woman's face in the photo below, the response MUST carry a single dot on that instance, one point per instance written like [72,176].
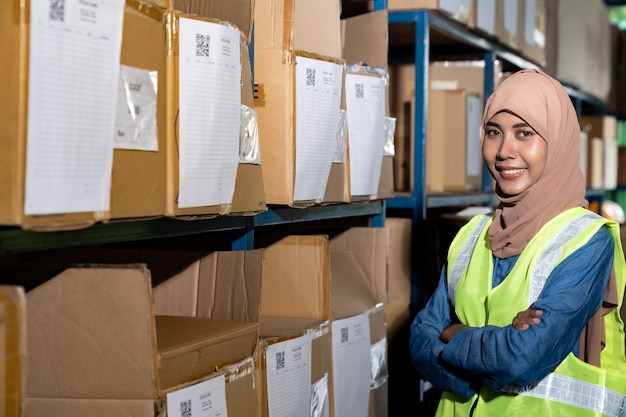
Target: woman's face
[514,153]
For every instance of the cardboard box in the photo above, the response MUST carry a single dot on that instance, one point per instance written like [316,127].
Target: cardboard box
[239,189]
[13,359]
[298,25]
[400,243]
[484,18]
[297,140]
[401,107]
[295,320]
[371,247]
[359,344]
[604,126]
[94,329]
[364,41]
[460,10]
[533,31]
[15,45]
[586,24]
[293,173]
[287,281]
[359,269]
[509,23]
[602,152]
[234,382]
[139,176]
[453,159]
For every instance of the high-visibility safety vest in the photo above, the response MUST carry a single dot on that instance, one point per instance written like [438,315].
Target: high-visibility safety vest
[574,388]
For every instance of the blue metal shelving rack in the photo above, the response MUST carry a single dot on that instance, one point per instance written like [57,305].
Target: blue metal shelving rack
[425,24]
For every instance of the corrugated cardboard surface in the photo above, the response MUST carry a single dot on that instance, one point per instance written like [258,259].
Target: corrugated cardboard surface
[248,197]
[13,361]
[220,285]
[279,330]
[93,328]
[236,12]
[296,280]
[370,247]
[138,180]
[304,25]
[295,301]
[399,259]
[351,292]
[275,104]
[190,349]
[446,144]
[365,39]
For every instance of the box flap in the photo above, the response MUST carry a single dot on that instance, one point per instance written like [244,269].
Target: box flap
[365,38]
[91,335]
[351,292]
[317,26]
[370,248]
[229,285]
[13,349]
[236,12]
[194,347]
[296,278]
[63,407]
[281,327]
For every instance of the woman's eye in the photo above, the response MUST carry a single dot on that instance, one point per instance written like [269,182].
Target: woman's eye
[526,134]
[492,133]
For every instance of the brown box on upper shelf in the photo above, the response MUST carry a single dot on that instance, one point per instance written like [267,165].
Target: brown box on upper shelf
[509,23]
[460,10]
[533,31]
[585,24]
[50,178]
[453,158]
[299,77]
[191,188]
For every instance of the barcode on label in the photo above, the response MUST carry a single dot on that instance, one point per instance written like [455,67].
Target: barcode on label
[344,334]
[310,76]
[359,90]
[203,45]
[57,10]
[280,360]
[185,408]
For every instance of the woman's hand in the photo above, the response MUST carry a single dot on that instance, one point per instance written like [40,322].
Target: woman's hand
[525,318]
[450,331]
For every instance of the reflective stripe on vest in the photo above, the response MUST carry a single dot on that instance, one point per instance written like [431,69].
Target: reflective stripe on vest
[550,256]
[572,391]
[462,260]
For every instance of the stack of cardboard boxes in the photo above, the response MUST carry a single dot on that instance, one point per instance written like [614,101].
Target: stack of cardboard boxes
[156,118]
[297,326]
[301,81]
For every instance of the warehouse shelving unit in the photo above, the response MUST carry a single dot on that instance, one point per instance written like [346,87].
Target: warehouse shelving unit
[422,36]
[240,230]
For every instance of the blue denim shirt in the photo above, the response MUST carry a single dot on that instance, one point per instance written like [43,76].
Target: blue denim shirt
[498,356]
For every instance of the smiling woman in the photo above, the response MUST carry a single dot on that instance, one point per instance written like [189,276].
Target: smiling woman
[529,297]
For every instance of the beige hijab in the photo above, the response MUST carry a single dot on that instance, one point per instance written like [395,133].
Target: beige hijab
[542,102]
